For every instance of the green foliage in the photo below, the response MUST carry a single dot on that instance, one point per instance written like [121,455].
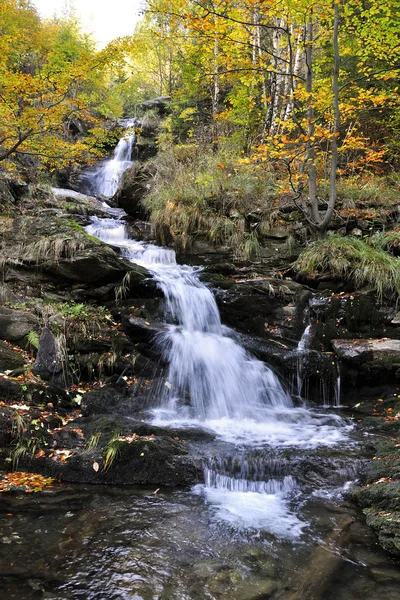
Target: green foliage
[32,339]
[349,258]
[54,85]
[199,192]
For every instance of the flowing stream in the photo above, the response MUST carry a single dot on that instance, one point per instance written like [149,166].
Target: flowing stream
[274,475]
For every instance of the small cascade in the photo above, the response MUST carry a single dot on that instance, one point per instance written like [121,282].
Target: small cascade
[302,350]
[338,385]
[253,503]
[305,339]
[105,179]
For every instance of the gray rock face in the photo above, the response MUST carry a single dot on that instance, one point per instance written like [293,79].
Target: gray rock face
[385,350]
[47,364]
[15,324]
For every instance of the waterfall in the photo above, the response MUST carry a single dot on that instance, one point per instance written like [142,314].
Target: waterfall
[105,179]
[305,339]
[213,381]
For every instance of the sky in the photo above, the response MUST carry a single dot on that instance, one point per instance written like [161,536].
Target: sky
[106,19]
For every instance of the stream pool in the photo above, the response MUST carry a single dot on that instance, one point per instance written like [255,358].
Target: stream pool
[108,543]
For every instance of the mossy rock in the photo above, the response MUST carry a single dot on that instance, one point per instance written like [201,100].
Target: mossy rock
[387,527]
[381,495]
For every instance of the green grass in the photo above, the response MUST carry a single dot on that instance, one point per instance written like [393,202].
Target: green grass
[199,192]
[362,192]
[387,240]
[349,258]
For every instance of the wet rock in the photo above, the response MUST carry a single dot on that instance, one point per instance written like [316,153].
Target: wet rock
[143,461]
[373,359]
[9,358]
[265,306]
[15,325]
[132,188]
[102,402]
[140,330]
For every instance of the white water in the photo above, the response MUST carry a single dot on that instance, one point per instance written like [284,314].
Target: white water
[253,504]
[305,339]
[214,383]
[231,393]
[106,178]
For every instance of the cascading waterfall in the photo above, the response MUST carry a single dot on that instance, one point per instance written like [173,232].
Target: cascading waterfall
[229,391]
[214,383]
[105,179]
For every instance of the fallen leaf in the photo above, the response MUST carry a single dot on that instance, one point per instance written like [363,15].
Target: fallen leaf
[96,466]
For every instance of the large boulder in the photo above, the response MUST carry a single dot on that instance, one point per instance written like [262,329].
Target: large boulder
[16,324]
[48,364]
[9,358]
[54,249]
[133,187]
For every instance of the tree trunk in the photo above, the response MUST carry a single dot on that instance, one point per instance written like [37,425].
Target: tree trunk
[312,170]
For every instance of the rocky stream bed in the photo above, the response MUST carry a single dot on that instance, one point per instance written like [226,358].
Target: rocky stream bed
[301,504]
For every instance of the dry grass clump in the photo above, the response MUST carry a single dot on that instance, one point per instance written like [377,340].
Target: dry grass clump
[199,192]
[349,258]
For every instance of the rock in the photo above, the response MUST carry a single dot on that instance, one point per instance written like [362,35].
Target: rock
[60,250]
[15,325]
[139,329]
[386,524]
[132,188]
[9,358]
[357,232]
[161,104]
[71,195]
[396,319]
[102,402]
[265,306]
[149,460]
[383,353]
[48,364]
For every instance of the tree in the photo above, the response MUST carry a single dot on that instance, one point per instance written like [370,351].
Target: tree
[50,74]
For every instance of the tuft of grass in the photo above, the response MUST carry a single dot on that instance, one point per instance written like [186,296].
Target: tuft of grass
[52,248]
[349,258]
[111,451]
[388,241]
[93,442]
[19,424]
[362,192]
[22,448]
